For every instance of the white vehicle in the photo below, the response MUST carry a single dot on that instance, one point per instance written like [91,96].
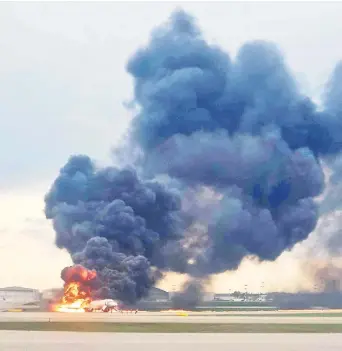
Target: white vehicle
[102,305]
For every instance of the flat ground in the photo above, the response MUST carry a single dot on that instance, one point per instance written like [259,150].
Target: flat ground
[68,341]
[286,317]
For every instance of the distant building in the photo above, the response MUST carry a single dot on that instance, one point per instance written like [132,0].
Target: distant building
[18,294]
[157,295]
[51,294]
[262,298]
[239,297]
[229,297]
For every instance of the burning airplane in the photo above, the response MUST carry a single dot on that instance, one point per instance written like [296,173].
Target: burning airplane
[240,127]
[80,293]
[77,294]
[103,306]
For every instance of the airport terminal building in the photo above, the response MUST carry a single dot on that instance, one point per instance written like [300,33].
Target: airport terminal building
[157,295]
[19,294]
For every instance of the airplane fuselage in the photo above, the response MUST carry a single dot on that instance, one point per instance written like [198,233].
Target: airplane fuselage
[102,305]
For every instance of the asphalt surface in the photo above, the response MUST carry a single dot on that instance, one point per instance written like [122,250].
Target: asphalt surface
[42,341]
[161,317]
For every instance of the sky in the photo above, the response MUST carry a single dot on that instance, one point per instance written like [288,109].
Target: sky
[63,91]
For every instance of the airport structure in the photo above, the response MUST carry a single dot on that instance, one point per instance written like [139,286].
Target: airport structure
[28,299]
[19,294]
[14,297]
[233,297]
[157,295]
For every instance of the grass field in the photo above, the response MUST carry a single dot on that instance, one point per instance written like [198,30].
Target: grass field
[171,327]
[276,314]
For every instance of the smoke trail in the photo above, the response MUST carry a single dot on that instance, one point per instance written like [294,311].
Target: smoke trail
[239,129]
[190,295]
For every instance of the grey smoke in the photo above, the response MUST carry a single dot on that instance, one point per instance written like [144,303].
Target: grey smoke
[239,128]
[189,297]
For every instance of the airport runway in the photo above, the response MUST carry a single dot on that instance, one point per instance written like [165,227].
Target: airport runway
[161,317]
[68,341]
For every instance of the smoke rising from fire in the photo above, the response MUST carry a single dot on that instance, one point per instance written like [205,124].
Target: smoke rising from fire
[239,128]
[112,221]
[190,295]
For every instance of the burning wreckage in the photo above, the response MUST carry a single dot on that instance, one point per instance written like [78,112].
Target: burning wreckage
[78,293]
[224,160]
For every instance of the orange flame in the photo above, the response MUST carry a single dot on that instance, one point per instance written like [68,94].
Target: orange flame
[77,294]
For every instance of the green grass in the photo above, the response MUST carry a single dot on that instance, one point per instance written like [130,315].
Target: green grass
[314,315]
[171,327]
[271,315]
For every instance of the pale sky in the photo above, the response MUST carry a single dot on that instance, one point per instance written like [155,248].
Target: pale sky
[63,87]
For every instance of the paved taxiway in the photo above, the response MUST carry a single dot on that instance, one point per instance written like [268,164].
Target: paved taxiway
[161,317]
[67,341]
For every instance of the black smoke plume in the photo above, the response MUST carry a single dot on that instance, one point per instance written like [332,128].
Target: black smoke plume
[189,297]
[112,221]
[238,128]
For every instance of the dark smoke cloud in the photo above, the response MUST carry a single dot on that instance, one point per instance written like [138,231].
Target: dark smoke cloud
[189,297]
[110,220]
[238,128]
[209,121]
[329,230]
